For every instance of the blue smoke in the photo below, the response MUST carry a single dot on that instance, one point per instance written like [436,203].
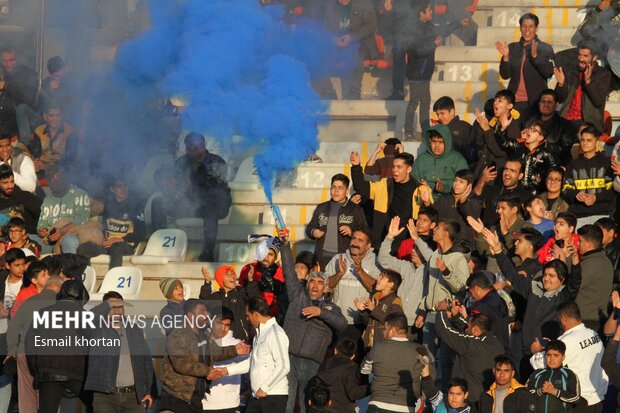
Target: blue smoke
[241,69]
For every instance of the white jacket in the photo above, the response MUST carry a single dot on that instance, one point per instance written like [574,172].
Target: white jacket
[225,391]
[269,363]
[584,351]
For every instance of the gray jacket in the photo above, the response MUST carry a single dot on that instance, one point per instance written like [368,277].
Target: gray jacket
[410,290]
[308,337]
[440,286]
[350,287]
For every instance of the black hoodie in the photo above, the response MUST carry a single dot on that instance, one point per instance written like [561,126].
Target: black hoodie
[341,375]
[22,204]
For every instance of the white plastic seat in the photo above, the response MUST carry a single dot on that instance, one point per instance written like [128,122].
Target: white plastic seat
[165,245]
[89,278]
[126,281]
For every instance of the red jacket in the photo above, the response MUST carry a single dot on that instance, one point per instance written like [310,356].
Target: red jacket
[23,295]
[545,254]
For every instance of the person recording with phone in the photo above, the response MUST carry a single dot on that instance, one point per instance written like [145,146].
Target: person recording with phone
[558,285]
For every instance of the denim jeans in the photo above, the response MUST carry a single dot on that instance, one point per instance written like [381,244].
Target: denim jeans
[443,354]
[27,121]
[302,370]
[69,243]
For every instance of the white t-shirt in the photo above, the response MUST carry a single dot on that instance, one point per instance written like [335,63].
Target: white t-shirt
[10,293]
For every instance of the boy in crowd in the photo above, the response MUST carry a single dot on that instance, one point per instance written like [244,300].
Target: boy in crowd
[384,302]
[438,165]
[554,388]
[341,375]
[589,180]
[455,400]
[460,130]
[36,276]
[18,237]
[564,230]
[535,208]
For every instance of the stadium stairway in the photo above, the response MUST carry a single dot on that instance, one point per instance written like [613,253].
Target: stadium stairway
[468,74]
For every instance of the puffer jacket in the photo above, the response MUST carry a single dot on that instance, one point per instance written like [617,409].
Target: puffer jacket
[516,401]
[308,337]
[188,362]
[432,168]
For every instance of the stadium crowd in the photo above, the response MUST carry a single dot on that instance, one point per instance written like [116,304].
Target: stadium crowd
[481,275]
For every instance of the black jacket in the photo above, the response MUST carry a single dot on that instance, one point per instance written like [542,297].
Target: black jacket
[475,358]
[593,96]
[57,362]
[24,204]
[612,250]
[536,163]
[124,219]
[342,377]
[472,207]
[562,136]
[535,71]
[21,85]
[421,54]
[349,214]
[611,365]
[103,361]
[235,301]
[363,25]
[491,193]
[491,144]
[540,319]
[592,176]
[462,139]
[494,307]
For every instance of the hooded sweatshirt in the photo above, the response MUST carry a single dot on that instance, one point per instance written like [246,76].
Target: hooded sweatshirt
[350,287]
[431,168]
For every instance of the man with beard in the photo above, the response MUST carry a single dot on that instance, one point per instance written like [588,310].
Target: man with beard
[203,176]
[490,194]
[353,275]
[584,91]
[17,203]
[310,326]
[65,208]
[561,135]
[267,272]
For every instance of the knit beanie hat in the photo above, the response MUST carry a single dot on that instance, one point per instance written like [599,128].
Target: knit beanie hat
[167,286]
[220,272]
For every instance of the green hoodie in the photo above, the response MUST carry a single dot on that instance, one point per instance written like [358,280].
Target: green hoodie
[431,168]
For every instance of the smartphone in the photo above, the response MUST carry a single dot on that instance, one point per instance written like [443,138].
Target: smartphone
[492,164]
[543,341]
[559,243]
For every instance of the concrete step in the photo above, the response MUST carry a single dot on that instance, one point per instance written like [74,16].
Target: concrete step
[492,4]
[487,36]
[339,152]
[548,16]
[475,54]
